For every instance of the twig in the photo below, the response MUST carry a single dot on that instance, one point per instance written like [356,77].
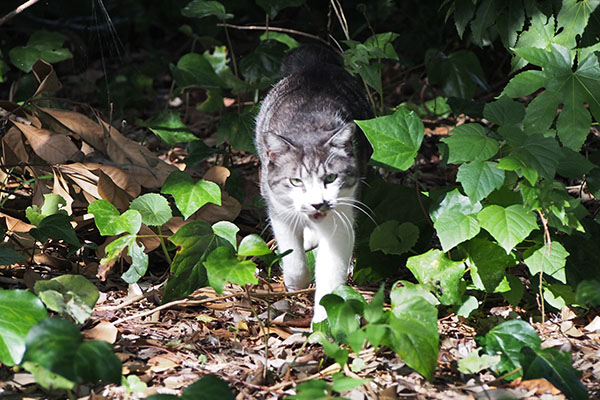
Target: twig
[275,29]
[12,117]
[17,10]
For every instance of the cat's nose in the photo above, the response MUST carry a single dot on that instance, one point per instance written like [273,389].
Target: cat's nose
[318,206]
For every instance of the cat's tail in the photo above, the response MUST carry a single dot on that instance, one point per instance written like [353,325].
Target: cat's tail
[309,56]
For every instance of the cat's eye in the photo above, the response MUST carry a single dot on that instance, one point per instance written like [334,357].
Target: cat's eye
[330,178]
[296,181]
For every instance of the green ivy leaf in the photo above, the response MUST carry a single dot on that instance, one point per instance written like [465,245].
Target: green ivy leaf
[454,219]
[438,270]
[70,294]
[253,246]
[139,263]
[113,249]
[480,178]
[264,61]
[343,383]
[472,363]
[20,310]
[57,345]
[201,9]
[332,349]
[395,138]
[509,226]
[190,196]
[153,208]
[588,293]
[549,259]
[168,126]
[504,111]
[223,266]
[373,312]
[195,241]
[555,366]
[488,262]
[110,222]
[342,315]
[572,20]
[508,339]
[392,237]
[470,143]
[238,130]
[208,387]
[228,231]
[413,334]
[41,44]
[485,17]
[56,226]
[194,71]
[52,205]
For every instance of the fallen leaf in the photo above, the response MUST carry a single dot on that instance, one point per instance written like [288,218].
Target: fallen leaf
[90,131]
[49,146]
[217,174]
[163,362]
[540,386]
[108,190]
[104,331]
[593,326]
[13,148]
[16,225]
[46,77]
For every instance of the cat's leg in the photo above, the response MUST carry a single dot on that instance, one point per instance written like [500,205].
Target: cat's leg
[296,274]
[336,242]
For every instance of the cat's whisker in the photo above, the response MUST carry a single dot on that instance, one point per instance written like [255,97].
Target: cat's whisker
[358,208]
[358,202]
[345,221]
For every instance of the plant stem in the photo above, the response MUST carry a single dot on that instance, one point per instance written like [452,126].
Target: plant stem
[163,245]
[235,68]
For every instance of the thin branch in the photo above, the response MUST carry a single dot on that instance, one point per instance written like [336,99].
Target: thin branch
[16,11]
[275,29]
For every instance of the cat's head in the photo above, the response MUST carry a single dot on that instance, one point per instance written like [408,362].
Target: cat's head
[312,173]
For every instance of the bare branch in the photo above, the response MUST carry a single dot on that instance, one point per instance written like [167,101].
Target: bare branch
[17,10]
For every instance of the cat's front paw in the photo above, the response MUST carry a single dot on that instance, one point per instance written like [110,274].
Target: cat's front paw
[319,314]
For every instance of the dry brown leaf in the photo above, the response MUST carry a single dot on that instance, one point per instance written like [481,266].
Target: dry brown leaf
[217,174]
[56,262]
[51,147]
[104,331]
[90,131]
[119,177]
[13,148]
[541,386]
[16,225]
[30,278]
[174,224]
[46,77]
[61,188]
[148,239]
[163,362]
[108,190]
[82,176]
[593,326]
[228,210]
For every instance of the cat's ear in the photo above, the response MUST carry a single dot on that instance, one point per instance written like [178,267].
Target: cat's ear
[276,145]
[343,137]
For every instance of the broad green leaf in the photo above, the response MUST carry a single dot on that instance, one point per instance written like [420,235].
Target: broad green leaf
[392,237]
[113,249]
[47,379]
[540,33]
[195,241]
[485,17]
[209,387]
[139,263]
[373,312]
[472,363]
[470,304]
[458,73]
[438,270]
[395,138]
[153,208]
[332,349]
[455,201]
[588,293]
[463,13]
[201,9]
[549,259]
[480,178]
[555,366]
[57,345]
[253,246]
[524,83]
[413,334]
[535,156]
[228,231]
[41,44]
[20,310]
[504,111]
[222,266]
[572,20]
[56,226]
[168,126]
[509,226]
[238,130]
[508,339]
[343,383]
[193,70]
[190,196]
[470,143]
[559,295]
[454,227]
[264,61]
[71,294]
[404,290]
[110,222]
[284,38]
[510,22]
[515,294]
[52,205]
[573,164]
[488,262]
[342,316]
[9,256]
[316,389]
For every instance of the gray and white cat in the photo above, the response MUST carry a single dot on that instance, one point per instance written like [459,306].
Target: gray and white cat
[313,157]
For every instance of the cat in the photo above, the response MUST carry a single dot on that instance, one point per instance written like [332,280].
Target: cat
[313,157]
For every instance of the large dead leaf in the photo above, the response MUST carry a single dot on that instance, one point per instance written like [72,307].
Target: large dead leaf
[13,148]
[88,130]
[108,190]
[61,188]
[82,176]
[46,76]
[229,209]
[15,224]
[121,178]
[49,146]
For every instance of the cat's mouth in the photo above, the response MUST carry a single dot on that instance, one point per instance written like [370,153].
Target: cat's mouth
[317,216]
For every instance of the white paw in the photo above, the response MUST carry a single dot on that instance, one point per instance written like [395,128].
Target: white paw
[319,314]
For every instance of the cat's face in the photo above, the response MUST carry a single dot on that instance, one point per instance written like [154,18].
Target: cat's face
[312,178]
